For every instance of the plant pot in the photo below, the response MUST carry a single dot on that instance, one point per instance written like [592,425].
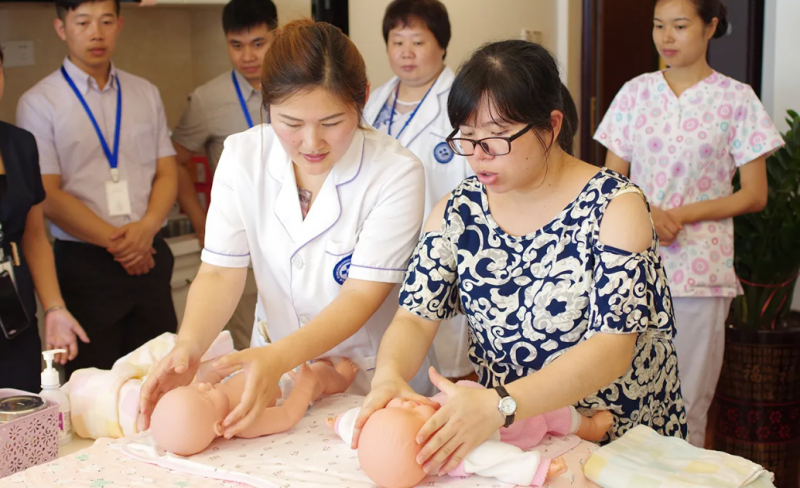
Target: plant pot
[759,401]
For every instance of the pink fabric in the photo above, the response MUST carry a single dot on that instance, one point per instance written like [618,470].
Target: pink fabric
[541,474]
[528,433]
[459,472]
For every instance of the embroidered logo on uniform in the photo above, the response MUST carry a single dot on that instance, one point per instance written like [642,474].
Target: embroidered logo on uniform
[341,270]
[443,153]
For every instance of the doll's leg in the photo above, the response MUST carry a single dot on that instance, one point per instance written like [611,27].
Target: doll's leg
[594,428]
[335,379]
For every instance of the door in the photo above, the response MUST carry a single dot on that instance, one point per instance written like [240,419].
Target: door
[740,53]
[617,46]
[332,11]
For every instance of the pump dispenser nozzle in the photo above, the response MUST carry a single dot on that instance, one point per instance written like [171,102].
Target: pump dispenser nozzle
[50,374]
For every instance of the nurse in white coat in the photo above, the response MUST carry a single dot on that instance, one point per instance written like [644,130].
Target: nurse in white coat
[328,213]
[412,108]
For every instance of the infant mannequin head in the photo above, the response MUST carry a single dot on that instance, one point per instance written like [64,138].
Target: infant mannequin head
[185,420]
[387,447]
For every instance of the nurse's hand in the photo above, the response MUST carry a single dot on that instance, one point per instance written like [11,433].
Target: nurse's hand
[469,417]
[176,369]
[667,227]
[382,392]
[262,374]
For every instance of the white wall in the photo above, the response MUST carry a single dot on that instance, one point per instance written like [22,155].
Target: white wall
[781,79]
[176,47]
[473,23]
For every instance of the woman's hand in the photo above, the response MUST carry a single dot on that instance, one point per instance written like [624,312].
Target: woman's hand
[469,417]
[61,331]
[176,369]
[262,374]
[382,392]
[667,226]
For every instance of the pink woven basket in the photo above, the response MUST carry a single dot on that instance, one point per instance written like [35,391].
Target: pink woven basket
[30,440]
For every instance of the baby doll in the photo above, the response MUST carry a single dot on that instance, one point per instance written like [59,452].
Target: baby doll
[187,419]
[387,448]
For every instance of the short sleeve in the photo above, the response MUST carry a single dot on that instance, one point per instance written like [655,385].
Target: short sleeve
[226,243]
[392,227]
[192,130]
[753,133]
[34,116]
[614,130]
[165,147]
[629,293]
[430,289]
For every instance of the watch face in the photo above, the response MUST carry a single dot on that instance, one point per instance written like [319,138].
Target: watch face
[508,406]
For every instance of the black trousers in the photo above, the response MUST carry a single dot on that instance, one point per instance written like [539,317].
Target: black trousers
[119,312]
[20,360]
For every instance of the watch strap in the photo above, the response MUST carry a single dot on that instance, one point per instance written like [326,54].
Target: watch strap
[501,390]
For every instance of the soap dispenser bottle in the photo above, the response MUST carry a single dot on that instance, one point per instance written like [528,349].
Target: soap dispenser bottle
[51,390]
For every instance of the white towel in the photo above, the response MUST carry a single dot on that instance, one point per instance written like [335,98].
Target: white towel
[641,457]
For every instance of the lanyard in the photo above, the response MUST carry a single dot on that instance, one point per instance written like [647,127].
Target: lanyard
[410,117]
[241,101]
[113,157]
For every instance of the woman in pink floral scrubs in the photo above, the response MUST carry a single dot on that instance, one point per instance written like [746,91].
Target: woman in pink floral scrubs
[681,134]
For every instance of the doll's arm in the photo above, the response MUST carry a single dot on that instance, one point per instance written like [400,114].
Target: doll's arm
[344,424]
[504,462]
[279,419]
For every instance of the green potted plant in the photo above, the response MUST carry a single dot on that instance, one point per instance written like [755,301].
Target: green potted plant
[758,395]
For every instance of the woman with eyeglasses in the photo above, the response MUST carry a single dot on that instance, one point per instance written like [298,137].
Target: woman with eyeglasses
[553,261]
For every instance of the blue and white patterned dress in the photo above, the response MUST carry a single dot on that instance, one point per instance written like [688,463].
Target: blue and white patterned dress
[530,299]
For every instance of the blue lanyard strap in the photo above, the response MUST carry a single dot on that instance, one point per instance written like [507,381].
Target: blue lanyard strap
[241,101]
[113,157]
[410,117]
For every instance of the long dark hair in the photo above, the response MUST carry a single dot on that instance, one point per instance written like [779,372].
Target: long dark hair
[522,82]
[305,55]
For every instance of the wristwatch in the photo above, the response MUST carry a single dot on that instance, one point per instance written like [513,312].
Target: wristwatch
[507,405]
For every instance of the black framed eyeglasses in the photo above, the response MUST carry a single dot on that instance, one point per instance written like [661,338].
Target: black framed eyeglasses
[493,146]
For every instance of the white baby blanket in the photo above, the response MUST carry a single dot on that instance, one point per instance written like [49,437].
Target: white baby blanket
[309,455]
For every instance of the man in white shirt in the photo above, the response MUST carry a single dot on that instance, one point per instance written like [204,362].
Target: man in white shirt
[228,104]
[110,175]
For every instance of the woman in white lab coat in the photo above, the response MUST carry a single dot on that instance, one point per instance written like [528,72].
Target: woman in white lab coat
[412,108]
[327,212]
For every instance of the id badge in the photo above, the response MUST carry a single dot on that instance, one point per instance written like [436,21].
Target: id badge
[13,318]
[7,265]
[118,197]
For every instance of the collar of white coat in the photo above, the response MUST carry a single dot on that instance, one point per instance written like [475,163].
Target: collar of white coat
[83,80]
[344,171]
[426,113]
